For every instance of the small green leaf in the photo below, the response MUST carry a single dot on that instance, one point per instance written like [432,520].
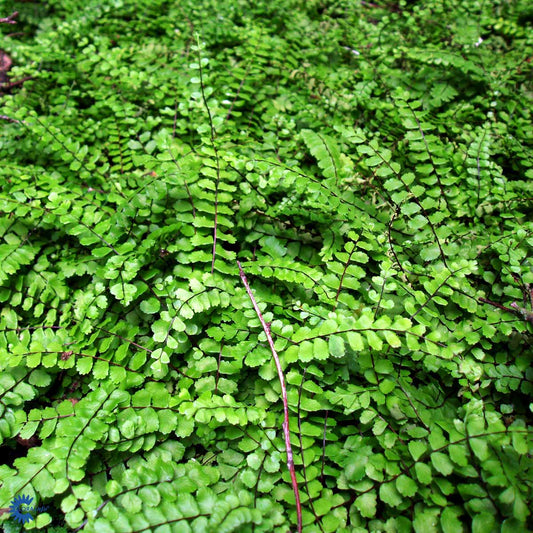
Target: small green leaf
[320,349]
[480,448]
[410,208]
[42,520]
[366,503]
[392,338]
[124,292]
[40,378]
[249,478]
[336,346]
[483,522]
[356,341]
[426,520]
[84,365]
[429,253]
[389,495]
[150,306]
[519,442]
[355,470]
[442,463]
[254,461]
[417,448]
[305,354]
[161,330]
[450,522]
[373,340]
[423,473]
[113,488]
[406,486]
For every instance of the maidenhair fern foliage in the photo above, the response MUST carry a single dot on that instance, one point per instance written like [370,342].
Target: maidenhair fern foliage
[369,165]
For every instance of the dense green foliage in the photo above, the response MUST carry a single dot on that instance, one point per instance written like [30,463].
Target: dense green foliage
[369,165]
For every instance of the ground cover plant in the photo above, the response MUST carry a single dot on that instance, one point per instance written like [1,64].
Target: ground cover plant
[189,187]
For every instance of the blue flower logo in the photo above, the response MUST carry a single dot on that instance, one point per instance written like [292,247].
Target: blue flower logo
[22,515]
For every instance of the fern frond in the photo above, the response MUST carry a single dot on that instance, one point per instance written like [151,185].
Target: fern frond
[325,150]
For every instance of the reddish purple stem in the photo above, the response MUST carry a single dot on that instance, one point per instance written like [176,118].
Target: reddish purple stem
[10,19]
[290,460]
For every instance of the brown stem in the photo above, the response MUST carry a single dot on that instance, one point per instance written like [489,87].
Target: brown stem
[9,119]
[526,315]
[10,84]
[290,460]
[10,19]
[496,304]
[516,309]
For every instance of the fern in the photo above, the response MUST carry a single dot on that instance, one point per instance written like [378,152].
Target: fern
[378,203]
[13,257]
[325,151]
